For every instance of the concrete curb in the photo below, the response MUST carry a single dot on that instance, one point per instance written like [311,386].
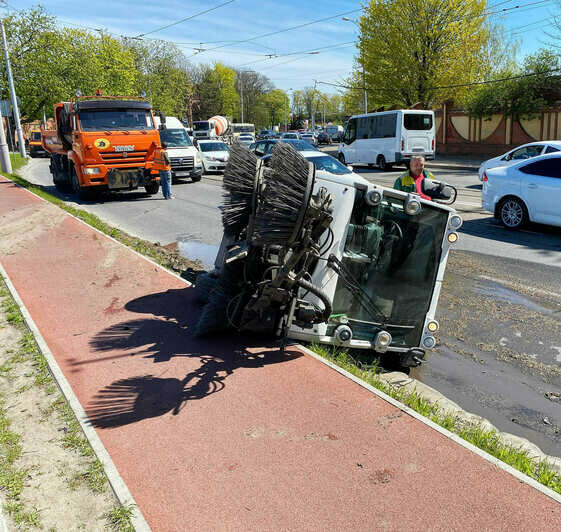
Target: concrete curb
[116,482]
[397,376]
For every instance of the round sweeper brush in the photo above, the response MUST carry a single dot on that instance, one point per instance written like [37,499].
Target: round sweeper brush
[239,186]
[282,206]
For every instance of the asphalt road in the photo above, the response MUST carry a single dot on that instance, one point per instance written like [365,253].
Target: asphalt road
[499,352]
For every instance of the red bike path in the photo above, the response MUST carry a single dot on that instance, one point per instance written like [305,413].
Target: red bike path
[228,435]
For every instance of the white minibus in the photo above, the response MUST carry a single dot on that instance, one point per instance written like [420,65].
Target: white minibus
[389,137]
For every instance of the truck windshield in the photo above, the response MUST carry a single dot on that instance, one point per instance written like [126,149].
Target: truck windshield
[175,138]
[201,126]
[417,121]
[394,258]
[36,135]
[115,119]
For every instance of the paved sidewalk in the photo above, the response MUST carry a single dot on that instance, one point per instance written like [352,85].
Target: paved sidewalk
[225,434]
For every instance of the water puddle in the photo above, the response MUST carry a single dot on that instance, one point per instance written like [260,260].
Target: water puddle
[205,253]
[502,293]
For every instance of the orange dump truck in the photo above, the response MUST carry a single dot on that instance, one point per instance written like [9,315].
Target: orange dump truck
[103,143]
[35,145]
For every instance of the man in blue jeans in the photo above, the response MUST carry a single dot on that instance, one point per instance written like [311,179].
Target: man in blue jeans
[165,175]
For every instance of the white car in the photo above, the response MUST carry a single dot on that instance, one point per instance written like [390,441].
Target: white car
[528,190]
[246,139]
[526,151]
[290,135]
[214,155]
[309,137]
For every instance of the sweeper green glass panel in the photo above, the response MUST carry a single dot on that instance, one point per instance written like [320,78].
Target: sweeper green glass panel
[393,258]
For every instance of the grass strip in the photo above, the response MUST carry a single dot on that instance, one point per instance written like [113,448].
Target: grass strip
[17,161]
[486,440]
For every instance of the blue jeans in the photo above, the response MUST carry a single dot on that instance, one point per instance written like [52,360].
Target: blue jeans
[165,182]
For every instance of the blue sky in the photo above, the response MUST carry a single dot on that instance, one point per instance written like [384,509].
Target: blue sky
[244,19]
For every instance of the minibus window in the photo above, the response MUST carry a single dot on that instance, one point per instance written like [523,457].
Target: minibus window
[417,121]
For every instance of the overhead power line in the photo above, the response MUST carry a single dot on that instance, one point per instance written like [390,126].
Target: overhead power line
[186,18]
[299,26]
[471,84]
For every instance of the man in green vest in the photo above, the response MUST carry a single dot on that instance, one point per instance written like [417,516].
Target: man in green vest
[412,181]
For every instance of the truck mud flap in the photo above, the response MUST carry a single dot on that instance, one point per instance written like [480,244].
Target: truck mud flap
[125,178]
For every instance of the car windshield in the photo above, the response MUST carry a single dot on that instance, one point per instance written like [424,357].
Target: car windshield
[289,135]
[175,138]
[393,257]
[201,126]
[213,146]
[329,164]
[115,119]
[300,145]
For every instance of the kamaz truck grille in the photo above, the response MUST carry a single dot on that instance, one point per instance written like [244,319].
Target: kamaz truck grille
[126,157]
[182,163]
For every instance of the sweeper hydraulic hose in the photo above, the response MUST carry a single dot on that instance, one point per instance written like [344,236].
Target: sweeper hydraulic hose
[318,292]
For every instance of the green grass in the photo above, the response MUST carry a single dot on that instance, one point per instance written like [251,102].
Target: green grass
[487,440]
[17,161]
[119,518]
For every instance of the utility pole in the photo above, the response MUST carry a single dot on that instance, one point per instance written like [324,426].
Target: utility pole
[241,95]
[13,96]
[4,153]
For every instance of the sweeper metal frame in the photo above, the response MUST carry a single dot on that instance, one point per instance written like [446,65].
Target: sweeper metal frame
[326,258]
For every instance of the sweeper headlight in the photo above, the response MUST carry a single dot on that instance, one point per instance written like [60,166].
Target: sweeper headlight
[412,206]
[432,326]
[373,197]
[455,221]
[452,238]
[382,341]
[343,333]
[429,342]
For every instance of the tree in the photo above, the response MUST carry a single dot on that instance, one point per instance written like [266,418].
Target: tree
[410,47]
[523,92]
[253,86]
[276,104]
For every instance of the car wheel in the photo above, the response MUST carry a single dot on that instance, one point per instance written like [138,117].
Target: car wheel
[513,213]
[196,178]
[341,158]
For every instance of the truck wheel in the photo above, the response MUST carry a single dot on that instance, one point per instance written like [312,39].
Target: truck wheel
[81,192]
[196,178]
[341,158]
[152,188]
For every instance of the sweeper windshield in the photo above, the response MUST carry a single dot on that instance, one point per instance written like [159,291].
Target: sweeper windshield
[392,258]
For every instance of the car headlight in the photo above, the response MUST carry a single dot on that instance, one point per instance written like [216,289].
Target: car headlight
[90,171]
[197,158]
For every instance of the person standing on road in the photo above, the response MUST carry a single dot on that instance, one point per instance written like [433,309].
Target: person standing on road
[165,172]
[412,180]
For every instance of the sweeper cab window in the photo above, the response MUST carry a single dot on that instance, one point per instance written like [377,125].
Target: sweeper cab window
[393,258]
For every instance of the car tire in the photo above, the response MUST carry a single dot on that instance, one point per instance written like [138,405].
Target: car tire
[196,178]
[341,158]
[513,213]
[382,164]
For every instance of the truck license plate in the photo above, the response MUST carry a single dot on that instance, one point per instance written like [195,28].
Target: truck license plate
[119,179]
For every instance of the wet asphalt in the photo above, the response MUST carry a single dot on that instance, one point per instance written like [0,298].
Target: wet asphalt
[499,350]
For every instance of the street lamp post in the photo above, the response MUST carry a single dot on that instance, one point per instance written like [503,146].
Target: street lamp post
[364,97]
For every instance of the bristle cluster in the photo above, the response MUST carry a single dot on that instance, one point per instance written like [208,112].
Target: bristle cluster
[238,184]
[285,197]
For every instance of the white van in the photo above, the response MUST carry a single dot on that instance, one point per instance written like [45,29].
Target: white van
[184,157]
[390,137]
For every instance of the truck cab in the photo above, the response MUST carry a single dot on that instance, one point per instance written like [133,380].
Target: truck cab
[35,146]
[184,157]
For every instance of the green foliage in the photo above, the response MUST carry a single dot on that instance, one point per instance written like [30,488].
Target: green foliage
[535,88]
[276,103]
[410,47]
[17,161]
[49,64]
